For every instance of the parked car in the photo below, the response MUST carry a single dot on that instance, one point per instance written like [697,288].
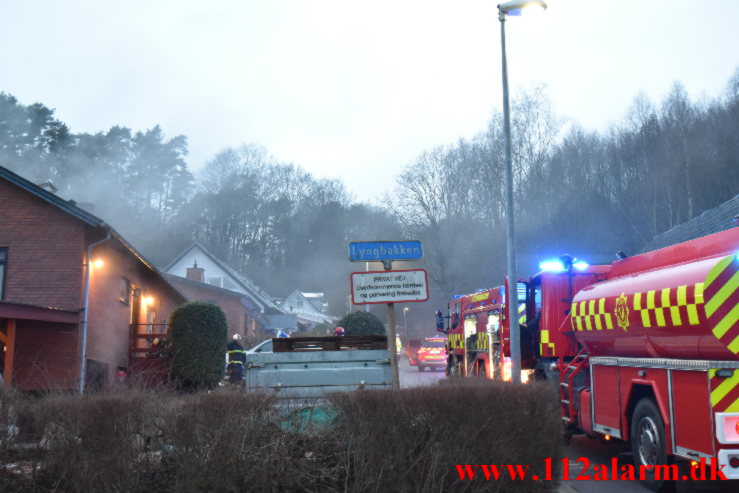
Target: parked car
[432,353]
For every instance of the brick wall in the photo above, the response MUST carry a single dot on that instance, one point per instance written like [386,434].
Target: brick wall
[109,318]
[45,251]
[46,356]
[230,304]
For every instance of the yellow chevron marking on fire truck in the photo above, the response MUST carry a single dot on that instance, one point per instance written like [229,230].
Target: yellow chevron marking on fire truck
[682,295]
[591,313]
[660,312]
[717,270]
[544,341]
[699,286]
[650,299]
[722,295]
[576,317]
[667,312]
[723,389]
[675,315]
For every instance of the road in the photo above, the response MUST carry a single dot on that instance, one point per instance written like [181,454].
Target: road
[601,452]
[411,377]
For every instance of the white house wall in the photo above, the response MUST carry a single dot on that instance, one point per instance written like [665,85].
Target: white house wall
[211,269]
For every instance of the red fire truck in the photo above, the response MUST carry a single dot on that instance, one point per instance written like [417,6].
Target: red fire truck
[645,350]
[648,349]
[473,334]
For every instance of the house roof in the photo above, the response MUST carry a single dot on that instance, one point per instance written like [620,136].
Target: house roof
[245,302]
[25,311]
[71,208]
[711,221]
[259,295]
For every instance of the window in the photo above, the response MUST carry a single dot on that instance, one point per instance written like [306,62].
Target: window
[124,291]
[3,263]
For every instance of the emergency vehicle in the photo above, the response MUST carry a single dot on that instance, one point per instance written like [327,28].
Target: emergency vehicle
[645,350]
[648,349]
[473,334]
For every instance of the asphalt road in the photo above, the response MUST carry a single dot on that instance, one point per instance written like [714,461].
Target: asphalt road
[411,377]
[601,452]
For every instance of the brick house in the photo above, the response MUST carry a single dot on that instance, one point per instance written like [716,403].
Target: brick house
[249,310]
[75,296]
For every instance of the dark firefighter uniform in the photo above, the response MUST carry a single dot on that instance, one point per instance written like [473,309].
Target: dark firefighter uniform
[236,360]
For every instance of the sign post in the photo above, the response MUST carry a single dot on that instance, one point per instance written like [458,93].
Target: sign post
[392,345]
[392,287]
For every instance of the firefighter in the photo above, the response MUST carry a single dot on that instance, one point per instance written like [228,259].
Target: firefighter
[236,360]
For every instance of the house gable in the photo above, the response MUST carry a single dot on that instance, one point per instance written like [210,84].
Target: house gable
[215,269]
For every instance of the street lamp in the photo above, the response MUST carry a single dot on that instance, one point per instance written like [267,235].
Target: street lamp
[513,7]
[405,320]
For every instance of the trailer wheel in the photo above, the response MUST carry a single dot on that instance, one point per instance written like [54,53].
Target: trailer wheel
[648,440]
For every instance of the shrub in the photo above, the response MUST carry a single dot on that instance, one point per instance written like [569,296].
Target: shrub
[361,323]
[412,440]
[198,345]
[406,441]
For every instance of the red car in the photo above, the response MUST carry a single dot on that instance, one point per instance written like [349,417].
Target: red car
[432,353]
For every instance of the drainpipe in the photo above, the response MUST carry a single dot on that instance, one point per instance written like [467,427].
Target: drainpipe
[83,352]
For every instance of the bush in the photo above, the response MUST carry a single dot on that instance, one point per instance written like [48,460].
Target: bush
[359,323]
[412,440]
[198,345]
[406,441]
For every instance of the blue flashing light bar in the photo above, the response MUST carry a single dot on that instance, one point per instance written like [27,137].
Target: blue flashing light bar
[552,266]
[580,265]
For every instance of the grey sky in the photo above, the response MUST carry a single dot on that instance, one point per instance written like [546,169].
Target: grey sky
[347,89]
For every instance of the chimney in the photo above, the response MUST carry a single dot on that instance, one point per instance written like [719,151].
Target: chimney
[196,273]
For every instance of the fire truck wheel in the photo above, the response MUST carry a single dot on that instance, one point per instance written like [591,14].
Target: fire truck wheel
[648,440]
[421,368]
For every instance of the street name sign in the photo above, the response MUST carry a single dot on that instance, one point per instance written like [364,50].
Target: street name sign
[389,286]
[378,251]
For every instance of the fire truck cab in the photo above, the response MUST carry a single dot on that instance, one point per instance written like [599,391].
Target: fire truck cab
[545,300]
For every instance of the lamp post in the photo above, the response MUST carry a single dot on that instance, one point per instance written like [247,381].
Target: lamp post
[513,7]
[405,320]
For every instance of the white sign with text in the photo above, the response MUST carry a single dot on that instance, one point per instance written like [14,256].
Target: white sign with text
[389,286]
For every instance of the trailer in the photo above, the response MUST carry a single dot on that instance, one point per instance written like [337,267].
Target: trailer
[308,367]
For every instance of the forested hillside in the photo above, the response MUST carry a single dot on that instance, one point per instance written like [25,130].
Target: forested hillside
[579,191]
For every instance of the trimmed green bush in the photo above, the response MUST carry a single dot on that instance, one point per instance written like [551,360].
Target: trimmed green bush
[359,323]
[198,345]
